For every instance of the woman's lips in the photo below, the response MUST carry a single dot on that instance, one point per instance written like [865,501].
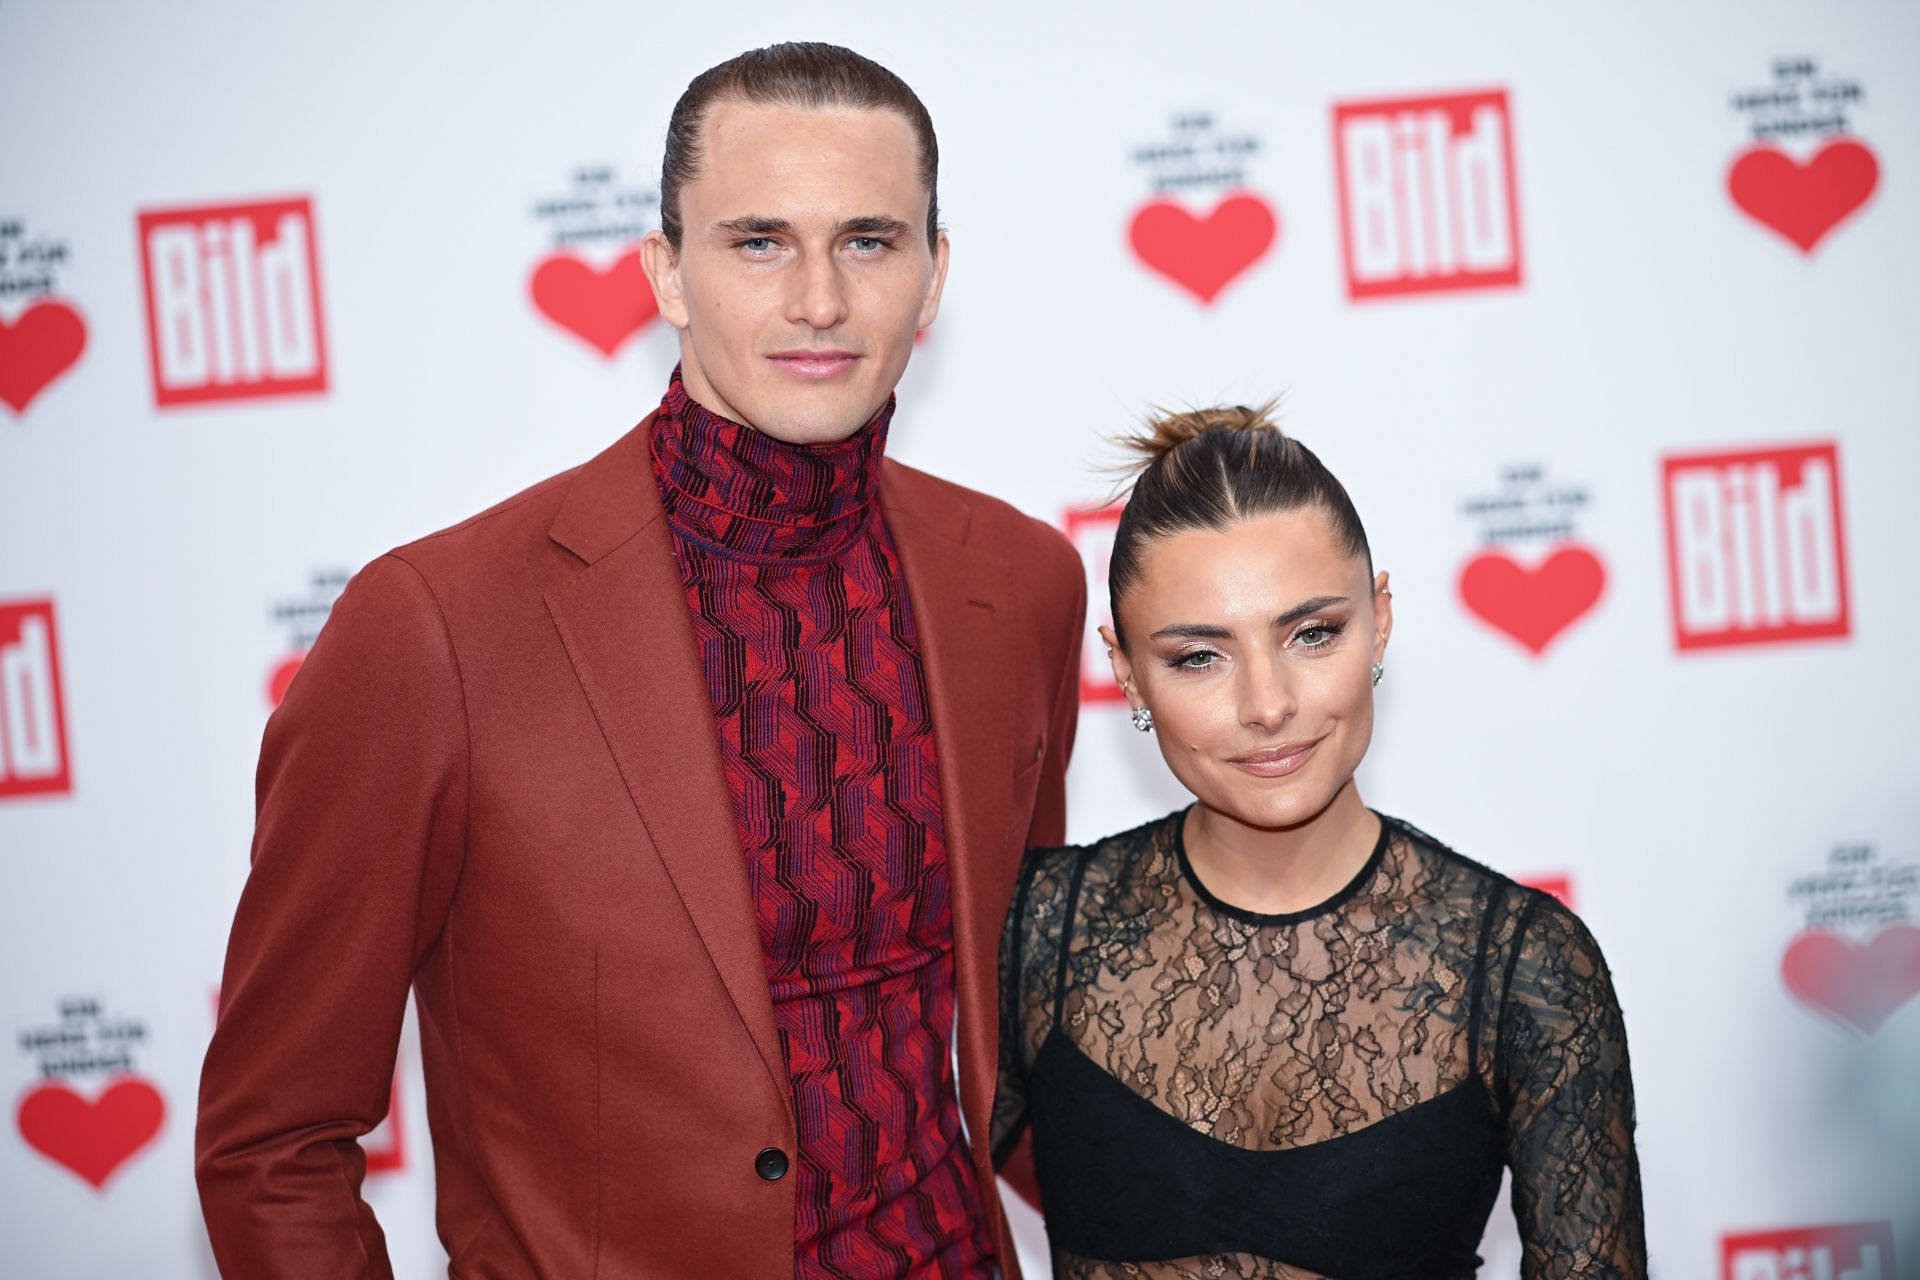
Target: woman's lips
[1275,762]
[814,364]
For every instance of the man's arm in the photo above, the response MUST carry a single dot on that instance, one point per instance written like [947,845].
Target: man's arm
[1067,593]
[359,834]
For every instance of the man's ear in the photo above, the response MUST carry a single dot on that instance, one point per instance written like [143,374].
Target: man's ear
[930,303]
[1122,668]
[662,265]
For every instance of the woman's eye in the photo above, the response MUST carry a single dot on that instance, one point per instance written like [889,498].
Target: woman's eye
[1318,636]
[1198,660]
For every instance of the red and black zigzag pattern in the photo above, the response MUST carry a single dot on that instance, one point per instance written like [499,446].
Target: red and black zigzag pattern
[811,661]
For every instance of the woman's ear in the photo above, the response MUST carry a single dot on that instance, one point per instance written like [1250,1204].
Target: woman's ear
[1382,616]
[1122,668]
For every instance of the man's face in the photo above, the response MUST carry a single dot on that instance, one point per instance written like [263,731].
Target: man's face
[803,269]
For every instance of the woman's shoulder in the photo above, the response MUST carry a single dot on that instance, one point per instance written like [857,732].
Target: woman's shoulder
[1526,914]
[1050,871]
[1551,965]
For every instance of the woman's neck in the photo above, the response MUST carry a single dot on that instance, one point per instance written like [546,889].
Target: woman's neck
[1279,870]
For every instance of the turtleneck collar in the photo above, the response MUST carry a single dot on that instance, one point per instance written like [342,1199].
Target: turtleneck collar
[747,496]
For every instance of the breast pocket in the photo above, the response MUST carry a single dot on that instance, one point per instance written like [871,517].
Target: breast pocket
[1026,785]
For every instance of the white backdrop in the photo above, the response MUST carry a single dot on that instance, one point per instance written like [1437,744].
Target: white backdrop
[1605,314]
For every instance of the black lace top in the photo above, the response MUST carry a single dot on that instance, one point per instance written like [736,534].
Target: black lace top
[1328,1093]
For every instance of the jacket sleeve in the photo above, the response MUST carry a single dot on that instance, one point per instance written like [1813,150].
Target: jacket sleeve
[1068,594]
[360,828]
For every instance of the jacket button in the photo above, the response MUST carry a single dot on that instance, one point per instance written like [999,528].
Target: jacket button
[771,1164]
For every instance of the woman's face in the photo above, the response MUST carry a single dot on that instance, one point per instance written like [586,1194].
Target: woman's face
[1254,648]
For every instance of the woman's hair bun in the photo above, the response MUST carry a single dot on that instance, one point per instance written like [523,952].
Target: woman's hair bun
[1164,431]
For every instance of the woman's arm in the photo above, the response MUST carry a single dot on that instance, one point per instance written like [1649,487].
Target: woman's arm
[1562,1073]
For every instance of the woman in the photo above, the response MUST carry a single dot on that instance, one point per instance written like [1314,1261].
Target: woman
[1277,1034]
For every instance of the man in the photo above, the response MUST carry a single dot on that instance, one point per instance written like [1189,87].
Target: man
[686,790]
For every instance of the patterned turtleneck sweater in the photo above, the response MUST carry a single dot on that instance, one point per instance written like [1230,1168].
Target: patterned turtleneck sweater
[808,644]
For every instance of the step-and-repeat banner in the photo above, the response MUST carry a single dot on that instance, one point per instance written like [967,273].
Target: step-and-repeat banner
[1605,314]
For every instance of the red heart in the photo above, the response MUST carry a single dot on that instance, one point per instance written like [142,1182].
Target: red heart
[92,1138]
[603,307]
[1863,985]
[1533,605]
[282,677]
[37,348]
[1803,202]
[1203,255]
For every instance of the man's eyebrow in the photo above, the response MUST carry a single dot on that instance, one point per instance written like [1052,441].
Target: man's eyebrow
[870,224]
[752,225]
[1214,631]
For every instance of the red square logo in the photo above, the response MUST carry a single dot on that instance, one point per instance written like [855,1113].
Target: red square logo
[1756,552]
[1427,199]
[1861,1251]
[33,717]
[1091,533]
[233,301]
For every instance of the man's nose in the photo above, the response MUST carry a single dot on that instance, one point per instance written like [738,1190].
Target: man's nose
[819,297]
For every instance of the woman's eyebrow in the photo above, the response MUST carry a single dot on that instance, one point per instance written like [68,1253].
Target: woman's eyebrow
[1214,631]
[1193,631]
[1306,607]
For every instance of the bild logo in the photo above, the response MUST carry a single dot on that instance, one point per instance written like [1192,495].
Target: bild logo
[1427,194]
[33,723]
[1755,549]
[1860,1251]
[233,301]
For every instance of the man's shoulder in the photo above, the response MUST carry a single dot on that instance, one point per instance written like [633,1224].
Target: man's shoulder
[526,533]
[526,515]
[991,523]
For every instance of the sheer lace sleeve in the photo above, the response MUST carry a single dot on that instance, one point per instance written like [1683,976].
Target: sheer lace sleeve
[1010,1093]
[1568,1096]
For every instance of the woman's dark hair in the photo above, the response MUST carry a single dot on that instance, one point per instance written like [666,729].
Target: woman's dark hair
[807,75]
[1209,469]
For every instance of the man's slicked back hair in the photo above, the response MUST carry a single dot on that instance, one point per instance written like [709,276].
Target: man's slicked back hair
[808,75]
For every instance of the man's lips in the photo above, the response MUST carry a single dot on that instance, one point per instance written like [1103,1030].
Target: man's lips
[805,363]
[1275,762]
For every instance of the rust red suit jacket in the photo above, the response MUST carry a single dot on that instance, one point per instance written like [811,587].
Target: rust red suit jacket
[497,781]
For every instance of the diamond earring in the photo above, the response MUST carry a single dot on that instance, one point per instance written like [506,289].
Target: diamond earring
[1143,719]
[1379,669]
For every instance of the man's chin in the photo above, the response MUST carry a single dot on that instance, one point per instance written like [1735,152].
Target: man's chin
[791,430]
[813,419]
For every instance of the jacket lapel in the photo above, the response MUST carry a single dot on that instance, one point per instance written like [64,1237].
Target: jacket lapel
[959,606]
[624,622]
